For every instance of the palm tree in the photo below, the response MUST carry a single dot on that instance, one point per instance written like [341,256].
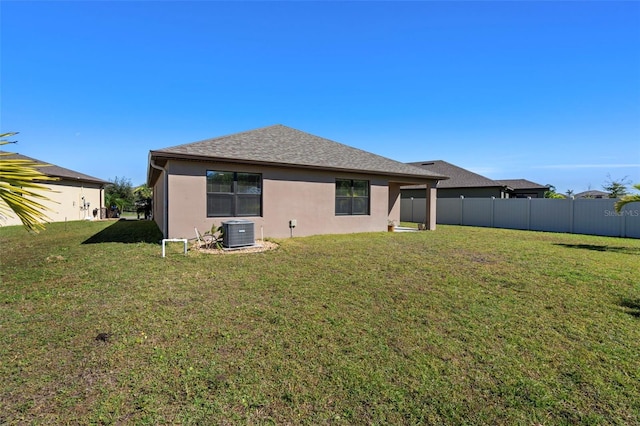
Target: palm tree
[142,192]
[20,188]
[143,195]
[114,200]
[629,198]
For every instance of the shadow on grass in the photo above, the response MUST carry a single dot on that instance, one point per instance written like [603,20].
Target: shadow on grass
[632,306]
[595,247]
[128,231]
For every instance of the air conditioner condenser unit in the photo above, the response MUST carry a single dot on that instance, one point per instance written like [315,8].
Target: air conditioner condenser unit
[238,233]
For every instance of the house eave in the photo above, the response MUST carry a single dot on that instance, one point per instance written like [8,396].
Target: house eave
[79,179]
[404,178]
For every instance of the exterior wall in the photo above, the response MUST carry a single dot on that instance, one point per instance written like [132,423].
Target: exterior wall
[66,201]
[159,204]
[524,193]
[308,196]
[415,193]
[471,192]
[394,202]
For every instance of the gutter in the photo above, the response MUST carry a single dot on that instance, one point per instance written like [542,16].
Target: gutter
[165,201]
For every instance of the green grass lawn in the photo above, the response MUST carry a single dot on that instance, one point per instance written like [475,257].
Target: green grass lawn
[458,326]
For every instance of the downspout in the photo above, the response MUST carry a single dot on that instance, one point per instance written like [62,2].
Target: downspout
[165,201]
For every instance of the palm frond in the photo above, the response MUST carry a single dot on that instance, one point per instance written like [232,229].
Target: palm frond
[630,198]
[21,189]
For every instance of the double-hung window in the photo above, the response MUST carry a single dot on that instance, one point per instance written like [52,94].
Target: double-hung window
[352,197]
[232,194]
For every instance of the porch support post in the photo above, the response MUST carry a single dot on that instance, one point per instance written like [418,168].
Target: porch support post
[430,220]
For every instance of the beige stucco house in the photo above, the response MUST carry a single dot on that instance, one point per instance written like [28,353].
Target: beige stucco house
[277,177]
[73,196]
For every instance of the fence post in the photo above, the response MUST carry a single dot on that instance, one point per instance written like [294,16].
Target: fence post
[493,209]
[571,207]
[462,210]
[412,210]
[623,223]
[528,213]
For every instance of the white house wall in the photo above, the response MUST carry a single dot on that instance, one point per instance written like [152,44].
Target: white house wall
[66,201]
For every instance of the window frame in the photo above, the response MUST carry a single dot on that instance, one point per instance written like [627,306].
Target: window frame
[352,197]
[235,196]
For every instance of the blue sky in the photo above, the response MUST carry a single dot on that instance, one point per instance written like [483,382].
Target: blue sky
[545,91]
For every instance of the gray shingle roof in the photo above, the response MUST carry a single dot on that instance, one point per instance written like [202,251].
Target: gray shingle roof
[521,184]
[594,193]
[57,171]
[458,177]
[284,146]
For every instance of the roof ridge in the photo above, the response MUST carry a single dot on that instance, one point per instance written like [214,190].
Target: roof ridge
[457,175]
[215,138]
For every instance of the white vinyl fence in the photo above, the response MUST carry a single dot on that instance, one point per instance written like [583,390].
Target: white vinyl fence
[580,216]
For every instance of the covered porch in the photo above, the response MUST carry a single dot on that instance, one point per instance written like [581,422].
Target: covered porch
[423,210]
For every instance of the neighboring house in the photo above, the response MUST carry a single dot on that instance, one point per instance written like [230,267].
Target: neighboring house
[463,182]
[275,175]
[592,194]
[522,188]
[73,197]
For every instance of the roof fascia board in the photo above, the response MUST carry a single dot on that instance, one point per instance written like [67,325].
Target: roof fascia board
[69,179]
[169,156]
